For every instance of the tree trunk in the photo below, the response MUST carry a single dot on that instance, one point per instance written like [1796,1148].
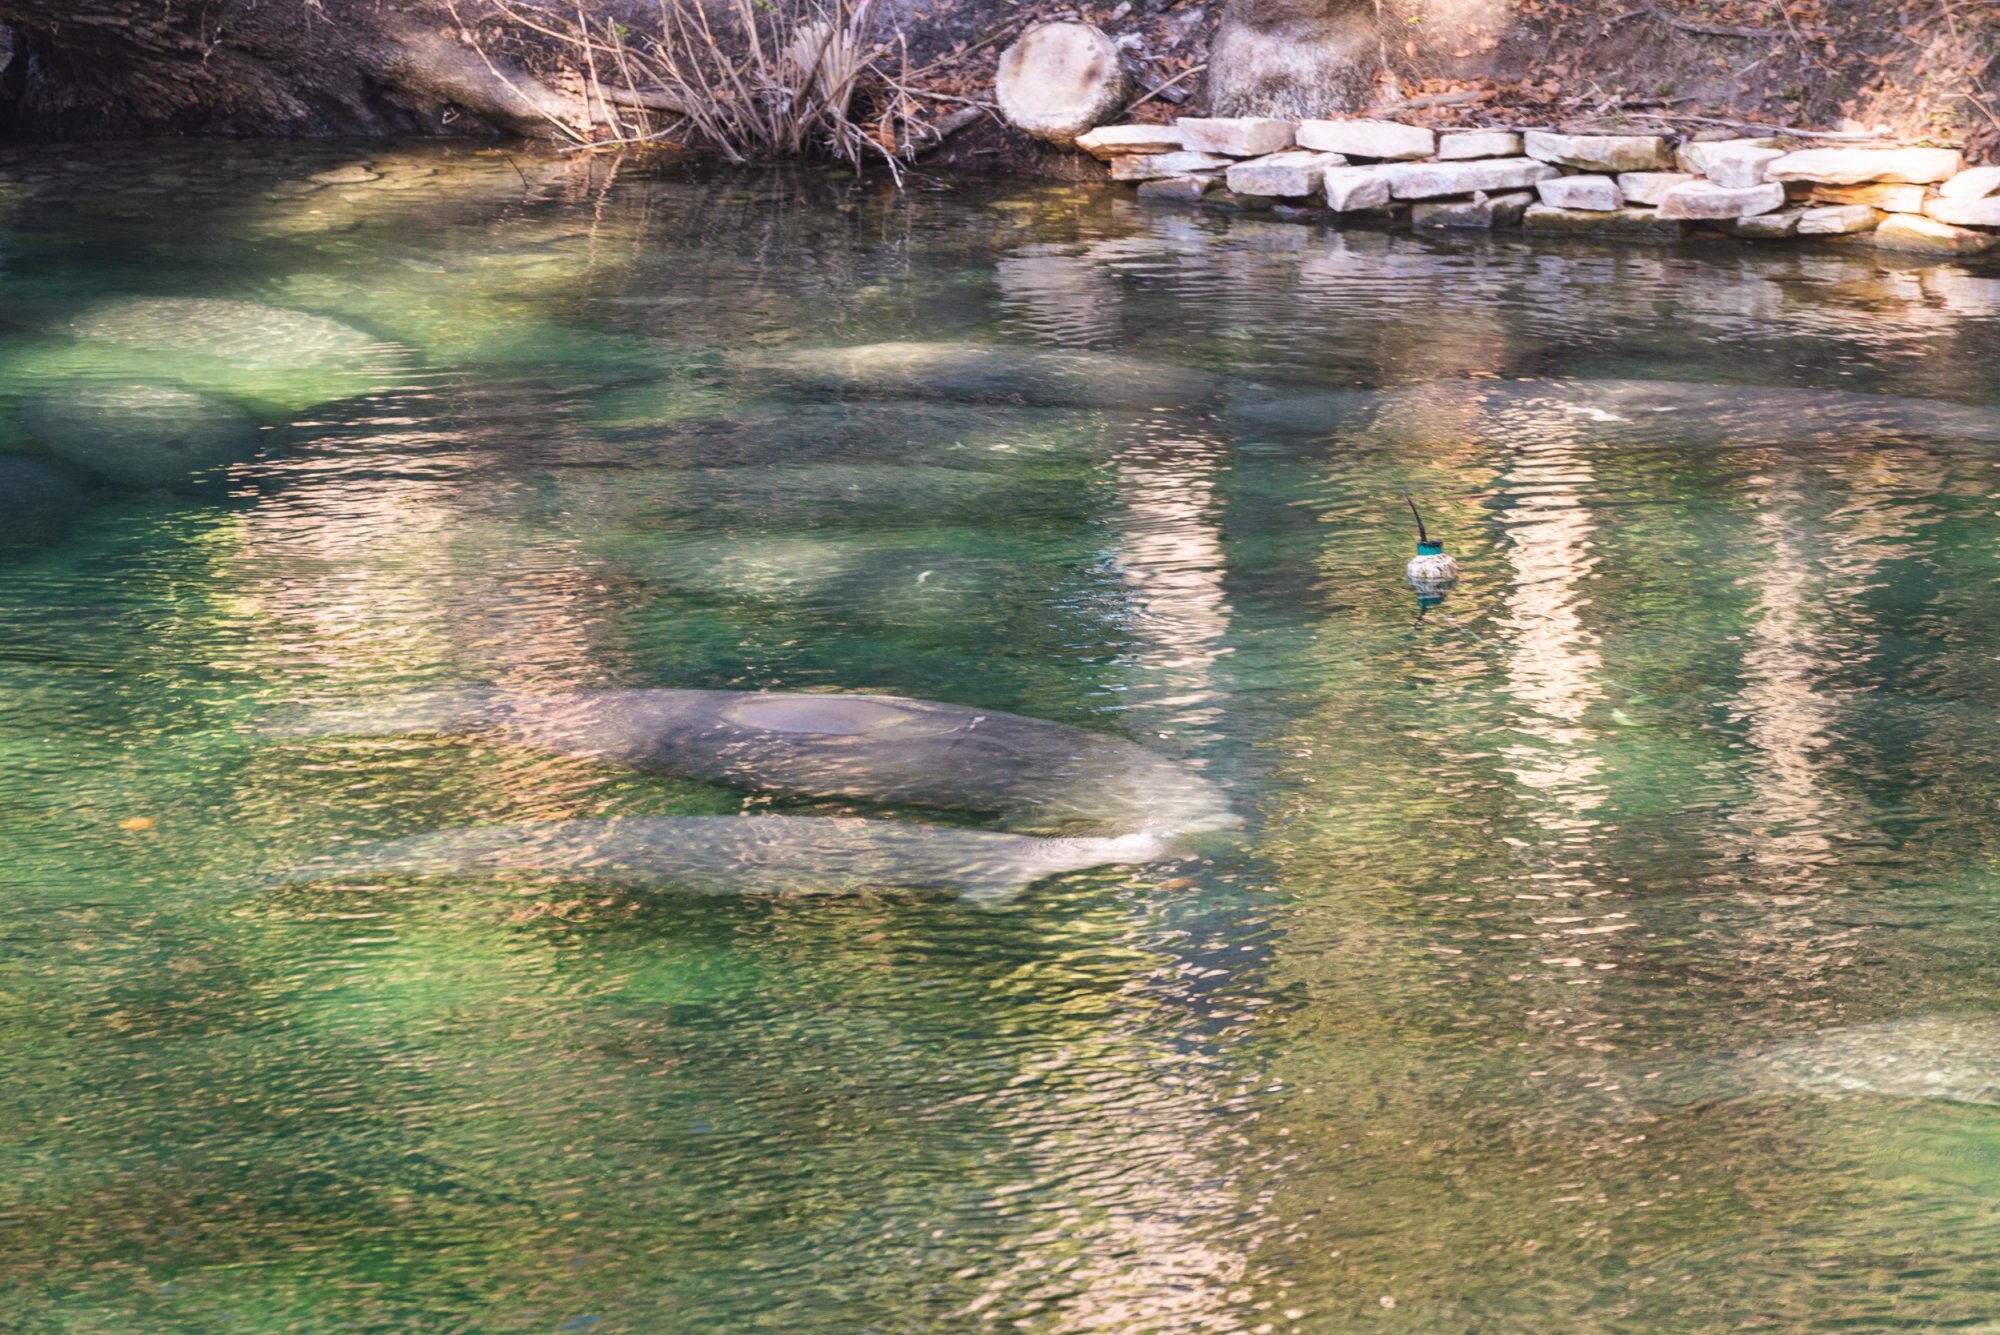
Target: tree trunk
[1298,58]
[313,67]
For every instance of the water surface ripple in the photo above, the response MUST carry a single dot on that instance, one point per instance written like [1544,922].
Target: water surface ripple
[1607,948]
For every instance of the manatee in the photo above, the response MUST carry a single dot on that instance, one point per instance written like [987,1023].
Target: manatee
[38,499]
[1640,412]
[246,334]
[1931,1057]
[978,436]
[892,576]
[879,748]
[809,494]
[802,568]
[987,373]
[141,435]
[741,855]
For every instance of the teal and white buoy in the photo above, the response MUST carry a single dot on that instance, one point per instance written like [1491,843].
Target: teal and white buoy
[1430,571]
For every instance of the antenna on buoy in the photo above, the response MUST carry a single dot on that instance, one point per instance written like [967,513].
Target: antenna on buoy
[1423,538]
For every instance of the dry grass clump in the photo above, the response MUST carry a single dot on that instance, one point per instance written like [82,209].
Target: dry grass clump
[747,79]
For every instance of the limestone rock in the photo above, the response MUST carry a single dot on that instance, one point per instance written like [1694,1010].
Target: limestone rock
[1368,139]
[1649,187]
[1973,183]
[1224,200]
[1888,198]
[1858,166]
[1437,180]
[1352,189]
[141,435]
[1581,192]
[1237,136]
[1287,175]
[1613,222]
[1741,168]
[1059,80]
[1482,211]
[1701,199]
[1766,226]
[1838,220]
[1695,156]
[1457,145]
[1966,212]
[1112,141]
[1149,166]
[1600,152]
[1928,236]
[1180,189]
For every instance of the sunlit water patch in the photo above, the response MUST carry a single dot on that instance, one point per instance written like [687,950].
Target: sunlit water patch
[1607,946]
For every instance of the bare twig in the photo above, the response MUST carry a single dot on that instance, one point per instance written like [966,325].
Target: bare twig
[1707,29]
[1849,136]
[1152,93]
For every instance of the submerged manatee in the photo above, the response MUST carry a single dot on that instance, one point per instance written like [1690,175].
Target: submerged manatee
[988,373]
[877,748]
[243,333]
[743,855]
[141,435]
[810,495]
[1934,1057]
[1639,412]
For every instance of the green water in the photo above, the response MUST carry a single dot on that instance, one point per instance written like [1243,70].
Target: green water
[1701,756]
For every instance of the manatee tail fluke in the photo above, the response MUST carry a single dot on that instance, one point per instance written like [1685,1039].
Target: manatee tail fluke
[998,884]
[448,710]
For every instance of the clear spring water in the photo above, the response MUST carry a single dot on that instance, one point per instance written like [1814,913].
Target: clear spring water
[1700,759]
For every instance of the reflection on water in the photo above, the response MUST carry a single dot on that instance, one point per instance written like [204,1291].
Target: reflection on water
[1607,949]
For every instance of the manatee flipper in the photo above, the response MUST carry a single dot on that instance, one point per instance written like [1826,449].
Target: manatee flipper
[740,855]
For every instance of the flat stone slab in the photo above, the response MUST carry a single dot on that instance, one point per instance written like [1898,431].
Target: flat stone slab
[1704,200]
[1972,183]
[1150,166]
[1888,198]
[1437,180]
[1766,226]
[1928,236]
[1858,166]
[1649,187]
[1368,139]
[1741,168]
[1112,141]
[1178,189]
[1352,189]
[1292,174]
[1966,212]
[1581,192]
[1600,152]
[1484,211]
[1839,220]
[1237,136]
[1598,222]
[1458,145]
[1694,156]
